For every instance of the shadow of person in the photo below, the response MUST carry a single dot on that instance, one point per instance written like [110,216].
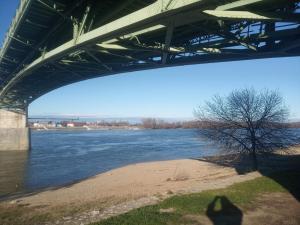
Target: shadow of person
[227,214]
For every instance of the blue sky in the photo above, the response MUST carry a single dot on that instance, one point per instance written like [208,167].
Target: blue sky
[169,92]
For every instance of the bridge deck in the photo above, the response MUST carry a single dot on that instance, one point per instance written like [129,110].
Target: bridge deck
[52,43]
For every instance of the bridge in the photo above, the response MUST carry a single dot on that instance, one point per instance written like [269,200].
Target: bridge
[52,43]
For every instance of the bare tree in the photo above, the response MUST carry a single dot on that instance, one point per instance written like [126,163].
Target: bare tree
[247,121]
[149,123]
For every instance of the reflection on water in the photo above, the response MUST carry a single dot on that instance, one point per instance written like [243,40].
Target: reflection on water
[13,166]
[60,157]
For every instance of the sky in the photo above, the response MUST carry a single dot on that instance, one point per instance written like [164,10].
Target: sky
[166,93]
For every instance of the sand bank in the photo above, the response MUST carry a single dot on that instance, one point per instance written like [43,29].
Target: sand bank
[132,186]
[141,180]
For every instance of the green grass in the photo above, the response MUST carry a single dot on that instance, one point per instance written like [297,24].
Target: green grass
[242,195]
[18,214]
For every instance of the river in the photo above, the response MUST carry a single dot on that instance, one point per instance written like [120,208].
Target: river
[62,157]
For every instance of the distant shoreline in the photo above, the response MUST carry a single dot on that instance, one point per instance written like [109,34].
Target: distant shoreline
[85,128]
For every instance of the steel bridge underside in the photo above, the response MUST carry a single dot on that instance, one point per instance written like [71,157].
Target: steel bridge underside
[52,43]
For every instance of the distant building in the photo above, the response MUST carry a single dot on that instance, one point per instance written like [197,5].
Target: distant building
[36,125]
[51,125]
[79,124]
[70,125]
[58,125]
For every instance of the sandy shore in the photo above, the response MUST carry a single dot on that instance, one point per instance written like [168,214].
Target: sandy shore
[141,180]
[138,181]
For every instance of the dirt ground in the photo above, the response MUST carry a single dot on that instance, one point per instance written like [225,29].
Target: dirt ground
[270,209]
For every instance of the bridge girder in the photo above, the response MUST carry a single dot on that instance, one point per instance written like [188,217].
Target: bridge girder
[161,34]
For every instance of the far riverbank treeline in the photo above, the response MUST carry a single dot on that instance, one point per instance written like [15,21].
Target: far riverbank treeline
[146,123]
[153,123]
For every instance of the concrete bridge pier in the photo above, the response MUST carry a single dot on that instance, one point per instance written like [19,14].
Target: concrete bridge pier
[14,131]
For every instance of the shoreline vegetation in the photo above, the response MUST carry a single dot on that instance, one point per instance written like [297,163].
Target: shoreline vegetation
[147,123]
[173,189]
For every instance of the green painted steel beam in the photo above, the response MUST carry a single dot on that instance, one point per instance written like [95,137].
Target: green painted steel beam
[239,15]
[21,12]
[237,4]
[253,16]
[139,20]
[98,61]
[203,32]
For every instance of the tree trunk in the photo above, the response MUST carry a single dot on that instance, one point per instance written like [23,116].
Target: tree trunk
[254,158]
[253,147]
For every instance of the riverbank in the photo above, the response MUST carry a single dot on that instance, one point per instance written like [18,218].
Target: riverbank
[86,128]
[123,189]
[261,201]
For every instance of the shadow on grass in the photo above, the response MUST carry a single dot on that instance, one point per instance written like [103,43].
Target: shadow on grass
[267,165]
[225,212]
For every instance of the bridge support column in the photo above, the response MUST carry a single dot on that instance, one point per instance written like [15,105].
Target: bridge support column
[14,131]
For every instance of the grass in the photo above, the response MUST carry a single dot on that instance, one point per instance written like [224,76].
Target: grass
[242,195]
[22,215]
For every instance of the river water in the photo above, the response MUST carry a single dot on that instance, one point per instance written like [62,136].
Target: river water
[61,157]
